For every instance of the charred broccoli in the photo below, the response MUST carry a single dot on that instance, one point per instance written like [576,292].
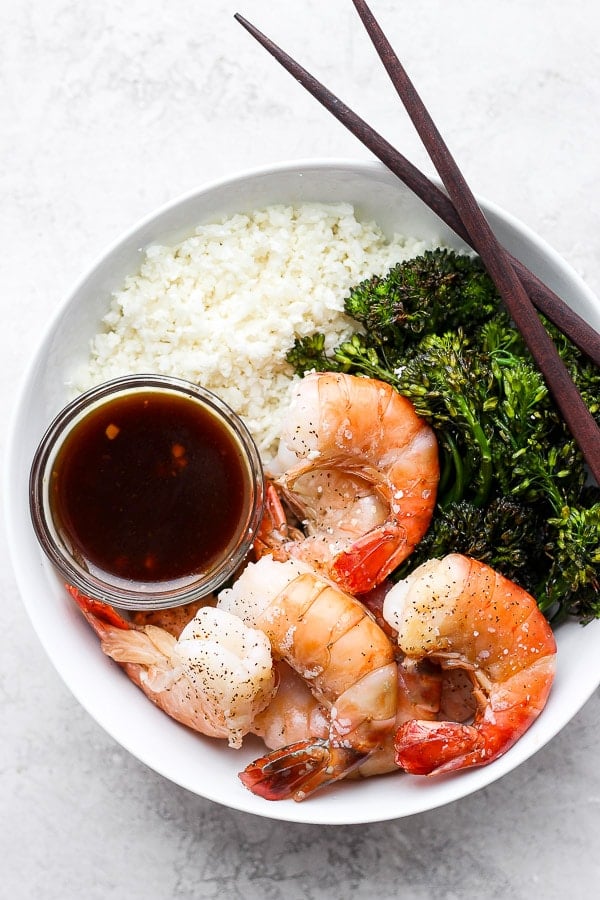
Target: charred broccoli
[513,489]
[422,295]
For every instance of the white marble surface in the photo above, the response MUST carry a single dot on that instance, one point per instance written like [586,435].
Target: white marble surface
[108,109]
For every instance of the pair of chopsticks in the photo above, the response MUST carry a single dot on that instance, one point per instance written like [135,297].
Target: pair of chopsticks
[519,288]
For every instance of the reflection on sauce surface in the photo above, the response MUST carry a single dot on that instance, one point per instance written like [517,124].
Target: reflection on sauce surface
[150,487]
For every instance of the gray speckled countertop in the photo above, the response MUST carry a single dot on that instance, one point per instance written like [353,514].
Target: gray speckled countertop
[107,110]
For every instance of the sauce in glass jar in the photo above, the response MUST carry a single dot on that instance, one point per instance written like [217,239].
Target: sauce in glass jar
[149,489]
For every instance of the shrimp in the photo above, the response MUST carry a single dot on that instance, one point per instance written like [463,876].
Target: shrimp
[215,677]
[359,468]
[329,639]
[463,614]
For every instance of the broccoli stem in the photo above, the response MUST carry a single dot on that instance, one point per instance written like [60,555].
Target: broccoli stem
[485,471]
[454,464]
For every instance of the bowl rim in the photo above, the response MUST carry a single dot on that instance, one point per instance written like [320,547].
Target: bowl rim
[469,781]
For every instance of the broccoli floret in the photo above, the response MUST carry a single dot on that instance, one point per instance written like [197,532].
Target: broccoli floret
[421,296]
[308,353]
[505,534]
[573,583]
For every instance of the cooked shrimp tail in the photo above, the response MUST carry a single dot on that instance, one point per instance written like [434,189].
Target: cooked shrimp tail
[371,557]
[99,615]
[300,769]
[424,747]
[460,613]
[274,534]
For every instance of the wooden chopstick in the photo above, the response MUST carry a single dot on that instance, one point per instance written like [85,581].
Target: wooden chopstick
[550,304]
[568,399]
[463,211]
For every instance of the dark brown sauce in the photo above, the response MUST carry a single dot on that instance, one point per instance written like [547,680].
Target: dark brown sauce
[150,487]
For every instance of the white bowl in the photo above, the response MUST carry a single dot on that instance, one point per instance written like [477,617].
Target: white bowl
[201,765]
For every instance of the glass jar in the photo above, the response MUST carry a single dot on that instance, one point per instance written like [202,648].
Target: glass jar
[146,492]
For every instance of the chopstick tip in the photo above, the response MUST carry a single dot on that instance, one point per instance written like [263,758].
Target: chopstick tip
[245,23]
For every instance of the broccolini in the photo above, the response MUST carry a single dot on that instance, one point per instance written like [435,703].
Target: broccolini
[513,490]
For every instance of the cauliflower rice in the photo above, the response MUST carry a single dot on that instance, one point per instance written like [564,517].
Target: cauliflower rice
[222,307]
